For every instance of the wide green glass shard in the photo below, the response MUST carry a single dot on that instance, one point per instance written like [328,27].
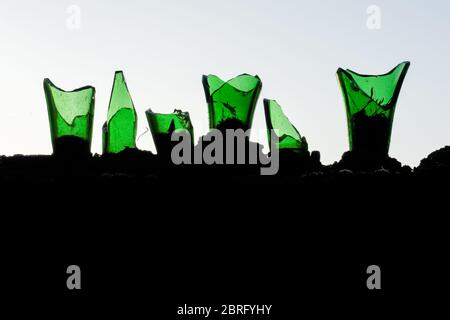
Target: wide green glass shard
[370,102]
[119,131]
[163,125]
[277,123]
[231,104]
[71,116]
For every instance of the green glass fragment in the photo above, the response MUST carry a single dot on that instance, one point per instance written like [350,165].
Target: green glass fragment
[119,131]
[277,123]
[370,102]
[163,125]
[71,116]
[231,104]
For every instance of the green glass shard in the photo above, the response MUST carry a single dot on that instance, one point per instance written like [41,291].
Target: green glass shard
[163,125]
[71,116]
[231,104]
[370,102]
[277,123]
[119,131]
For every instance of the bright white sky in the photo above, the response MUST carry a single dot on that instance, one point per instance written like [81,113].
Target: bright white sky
[164,47]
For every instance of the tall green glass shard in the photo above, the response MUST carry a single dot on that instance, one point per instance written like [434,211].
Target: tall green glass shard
[289,139]
[370,102]
[119,131]
[71,116]
[231,104]
[163,125]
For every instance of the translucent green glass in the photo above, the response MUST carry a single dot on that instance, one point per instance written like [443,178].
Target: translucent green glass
[277,123]
[231,104]
[163,125]
[119,131]
[71,116]
[370,102]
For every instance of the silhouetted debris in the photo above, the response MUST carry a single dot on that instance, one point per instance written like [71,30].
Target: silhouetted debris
[371,135]
[315,159]
[222,167]
[130,161]
[136,166]
[359,161]
[293,163]
[164,145]
[71,147]
[345,172]
[437,163]
[231,123]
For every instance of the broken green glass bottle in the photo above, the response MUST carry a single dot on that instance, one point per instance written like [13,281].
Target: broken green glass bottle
[71,116]
[231,104]
[370,102]
[162,126]
[119,131]
[289,139]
